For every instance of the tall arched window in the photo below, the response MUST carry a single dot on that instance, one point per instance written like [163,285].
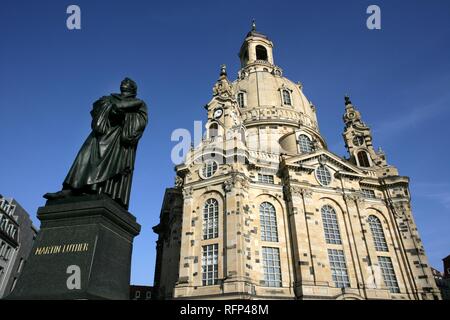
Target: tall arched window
[241,99]
[213,130]
[363,159]
[377,233]
[287,97]
[330,225]
[261,53]
[305,144]
[268,221]
[211,219]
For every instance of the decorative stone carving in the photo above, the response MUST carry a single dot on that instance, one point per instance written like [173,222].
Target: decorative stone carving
[295,191]
[228,185]
[269,112]
[241,182]
[353,198]
[306,193]
[223,87]
[236,181]
[179,182]
[187,192]
[323,159]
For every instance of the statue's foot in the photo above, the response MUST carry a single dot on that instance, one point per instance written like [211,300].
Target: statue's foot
[57,195]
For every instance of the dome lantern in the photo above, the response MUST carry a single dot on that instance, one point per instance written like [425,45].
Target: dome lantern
[257,48]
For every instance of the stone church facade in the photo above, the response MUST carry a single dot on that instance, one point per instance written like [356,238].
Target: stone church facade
[261,209]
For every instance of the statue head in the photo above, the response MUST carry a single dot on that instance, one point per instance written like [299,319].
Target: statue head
[128,87]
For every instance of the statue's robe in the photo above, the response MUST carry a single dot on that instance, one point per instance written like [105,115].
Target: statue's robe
[105,162]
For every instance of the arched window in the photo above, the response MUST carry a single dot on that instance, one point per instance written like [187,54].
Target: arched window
[211,219]
[363,159]
[241,99]
[268,221]
[213,130]
[287,97]
[305,144]
[261,53]
[377,234]
[330,225]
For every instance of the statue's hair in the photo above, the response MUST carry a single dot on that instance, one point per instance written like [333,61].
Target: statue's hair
[129,85]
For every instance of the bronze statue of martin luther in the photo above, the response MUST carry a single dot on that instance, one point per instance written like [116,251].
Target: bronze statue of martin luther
[105,162]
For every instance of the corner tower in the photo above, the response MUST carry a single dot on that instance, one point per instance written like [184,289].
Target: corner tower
[359,143]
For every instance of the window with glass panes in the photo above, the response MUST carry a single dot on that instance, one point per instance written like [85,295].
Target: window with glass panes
[387,270]
[268,222]
[211,219]
[363,159]
[305,144]
[271,267]
[265,178]
[209,169]
[330,225]
[338,268]
[241,100]
[368,193]
[323,175]
[210,264]
[377,233]
[287,97]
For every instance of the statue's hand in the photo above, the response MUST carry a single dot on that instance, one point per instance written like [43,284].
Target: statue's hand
[129,105]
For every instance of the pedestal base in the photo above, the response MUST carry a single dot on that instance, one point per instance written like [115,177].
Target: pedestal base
[83,251]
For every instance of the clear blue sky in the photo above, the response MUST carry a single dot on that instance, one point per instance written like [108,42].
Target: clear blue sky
[399,78]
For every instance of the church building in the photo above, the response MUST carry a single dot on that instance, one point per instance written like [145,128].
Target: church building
[261,209]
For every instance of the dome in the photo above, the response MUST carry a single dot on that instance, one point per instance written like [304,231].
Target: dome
[269,98]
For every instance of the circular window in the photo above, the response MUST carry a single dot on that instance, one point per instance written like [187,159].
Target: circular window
[209,169]
[358,141]
[323,175]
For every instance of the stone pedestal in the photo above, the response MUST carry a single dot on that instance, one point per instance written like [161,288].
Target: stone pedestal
[83,251]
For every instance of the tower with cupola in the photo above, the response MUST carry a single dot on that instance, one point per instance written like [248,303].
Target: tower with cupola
[261,209]
[359,144]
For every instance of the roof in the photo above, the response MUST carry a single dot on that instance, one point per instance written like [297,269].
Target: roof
[254,33]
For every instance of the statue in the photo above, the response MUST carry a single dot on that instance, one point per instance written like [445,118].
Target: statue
[105,162]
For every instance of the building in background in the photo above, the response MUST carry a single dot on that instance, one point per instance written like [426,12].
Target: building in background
[443,279]
[446,262]
[17,235]
[262,209]
[140,292]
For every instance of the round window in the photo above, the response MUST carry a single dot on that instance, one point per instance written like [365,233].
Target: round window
[323,175]
[209,169]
